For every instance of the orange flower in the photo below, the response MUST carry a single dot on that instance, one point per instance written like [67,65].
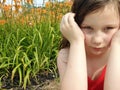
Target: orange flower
[69,3]
[44,11]
[59,17]
[2,22]
[17,6]
[61,5]
[47,4]
[6,7]
[38,9]
[52,13]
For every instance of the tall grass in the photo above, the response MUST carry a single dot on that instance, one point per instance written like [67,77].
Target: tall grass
[28,50]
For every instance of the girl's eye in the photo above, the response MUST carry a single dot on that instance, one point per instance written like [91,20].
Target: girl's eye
[108,28]
[87,28]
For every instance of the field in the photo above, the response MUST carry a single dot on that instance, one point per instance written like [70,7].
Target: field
[29,42]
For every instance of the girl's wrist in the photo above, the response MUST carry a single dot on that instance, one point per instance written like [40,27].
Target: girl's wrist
[77,43]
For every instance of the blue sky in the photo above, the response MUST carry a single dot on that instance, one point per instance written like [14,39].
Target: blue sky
[36,2]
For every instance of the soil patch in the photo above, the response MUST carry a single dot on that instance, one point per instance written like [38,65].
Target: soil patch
[44,82]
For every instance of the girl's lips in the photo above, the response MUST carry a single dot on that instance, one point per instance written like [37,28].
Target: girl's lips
[97,49]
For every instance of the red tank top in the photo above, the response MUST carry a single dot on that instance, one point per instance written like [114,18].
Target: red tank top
[98,83]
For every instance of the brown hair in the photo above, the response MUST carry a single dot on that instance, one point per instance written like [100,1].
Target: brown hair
[81,8]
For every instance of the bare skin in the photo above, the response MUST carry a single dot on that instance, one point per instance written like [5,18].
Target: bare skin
[112,78]
[90,50]
[77,47]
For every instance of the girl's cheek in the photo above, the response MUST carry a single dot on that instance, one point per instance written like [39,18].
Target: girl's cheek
[111,36]
[109,40]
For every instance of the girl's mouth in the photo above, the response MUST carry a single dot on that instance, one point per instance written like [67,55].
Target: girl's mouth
[97,49]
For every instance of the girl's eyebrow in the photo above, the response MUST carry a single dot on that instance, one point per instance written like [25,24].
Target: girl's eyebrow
[111,25]
[83,25]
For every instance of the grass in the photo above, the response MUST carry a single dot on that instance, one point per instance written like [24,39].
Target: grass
[29,48]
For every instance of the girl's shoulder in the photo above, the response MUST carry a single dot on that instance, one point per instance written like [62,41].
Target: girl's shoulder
[63,54]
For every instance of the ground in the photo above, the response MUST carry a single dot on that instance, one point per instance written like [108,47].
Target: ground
[44,82]
[47,85]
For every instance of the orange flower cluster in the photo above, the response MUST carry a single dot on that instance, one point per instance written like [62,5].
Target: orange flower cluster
[56,10]
[53,11]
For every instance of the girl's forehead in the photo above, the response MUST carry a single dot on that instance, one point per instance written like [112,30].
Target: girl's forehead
[104,16]
[110,8]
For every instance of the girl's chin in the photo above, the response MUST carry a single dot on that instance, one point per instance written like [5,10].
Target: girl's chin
[96,51]
[95,54]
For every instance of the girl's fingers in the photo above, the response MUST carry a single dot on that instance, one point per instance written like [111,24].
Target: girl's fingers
[71,18]
[66,20]
[72,22]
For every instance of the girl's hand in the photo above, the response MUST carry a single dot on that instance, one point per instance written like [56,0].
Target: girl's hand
[116,39]
[70,30]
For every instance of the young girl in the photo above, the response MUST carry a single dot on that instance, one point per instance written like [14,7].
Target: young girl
[89,56]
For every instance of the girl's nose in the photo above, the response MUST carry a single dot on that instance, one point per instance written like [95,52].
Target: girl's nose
[97,39]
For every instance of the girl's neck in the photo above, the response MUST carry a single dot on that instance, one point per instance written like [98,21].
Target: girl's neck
[97,57]
[96,63]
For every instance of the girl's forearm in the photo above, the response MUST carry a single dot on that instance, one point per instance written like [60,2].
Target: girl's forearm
[75,77]
[112,78]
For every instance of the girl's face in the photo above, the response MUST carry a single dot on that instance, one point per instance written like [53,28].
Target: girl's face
[99,28]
